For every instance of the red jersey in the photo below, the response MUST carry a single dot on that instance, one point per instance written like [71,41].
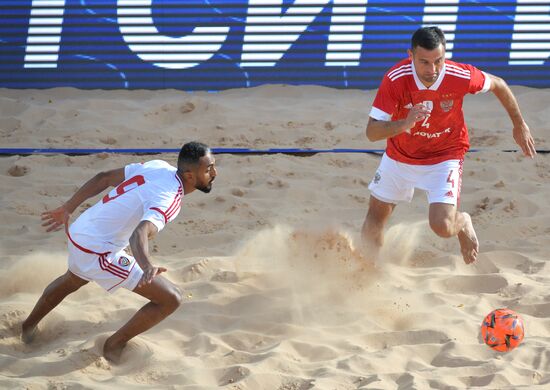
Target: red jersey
[441,136]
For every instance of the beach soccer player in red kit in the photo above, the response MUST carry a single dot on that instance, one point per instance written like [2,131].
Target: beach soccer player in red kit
[418,110]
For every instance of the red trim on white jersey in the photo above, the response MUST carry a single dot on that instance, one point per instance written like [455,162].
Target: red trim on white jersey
[112,268]
[130,270]
[102,260]
[85,250]
[161,213]
[175,204]
[179,179]
[174,207]
[174,212]
[460,170]
[168,215]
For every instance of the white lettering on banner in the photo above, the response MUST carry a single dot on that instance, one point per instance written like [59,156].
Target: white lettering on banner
[443,14]
[257,47]
[530,48]
[45,25]
[138,30]
[269,33]
[344,41]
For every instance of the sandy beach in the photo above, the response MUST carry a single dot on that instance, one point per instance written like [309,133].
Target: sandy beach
[276,294]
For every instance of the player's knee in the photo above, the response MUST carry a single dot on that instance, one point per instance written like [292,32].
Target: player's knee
[173,299]
[443,227]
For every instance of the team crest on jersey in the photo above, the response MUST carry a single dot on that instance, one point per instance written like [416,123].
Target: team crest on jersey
[446,105]
[124,261]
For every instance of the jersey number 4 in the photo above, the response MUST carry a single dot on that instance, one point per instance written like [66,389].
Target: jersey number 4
[450,179]
[430,106]
[124,187]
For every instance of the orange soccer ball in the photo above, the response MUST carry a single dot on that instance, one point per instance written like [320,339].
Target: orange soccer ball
[502,330]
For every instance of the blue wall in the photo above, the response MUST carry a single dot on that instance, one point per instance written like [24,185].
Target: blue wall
[217,44]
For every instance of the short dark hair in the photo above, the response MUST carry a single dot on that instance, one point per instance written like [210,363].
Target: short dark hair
[190,155]
[428,38]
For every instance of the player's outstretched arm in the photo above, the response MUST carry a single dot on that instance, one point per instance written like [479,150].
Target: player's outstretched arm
[521,132]
[54,220]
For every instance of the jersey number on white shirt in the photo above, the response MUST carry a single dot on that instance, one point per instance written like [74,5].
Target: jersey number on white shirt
[124,187]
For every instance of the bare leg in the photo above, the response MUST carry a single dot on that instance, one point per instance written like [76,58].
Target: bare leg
[446,221]
[51,297]
[373,228]
[165,298]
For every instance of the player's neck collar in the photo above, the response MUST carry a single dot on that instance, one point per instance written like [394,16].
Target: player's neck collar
[435,85]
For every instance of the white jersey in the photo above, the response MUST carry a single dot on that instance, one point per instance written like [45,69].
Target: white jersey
[150,192]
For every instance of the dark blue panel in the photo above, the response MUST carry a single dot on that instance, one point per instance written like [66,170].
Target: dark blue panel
[93,53]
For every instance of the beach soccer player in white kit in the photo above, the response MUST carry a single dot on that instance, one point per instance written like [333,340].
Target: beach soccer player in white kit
[145,198]
[418,109]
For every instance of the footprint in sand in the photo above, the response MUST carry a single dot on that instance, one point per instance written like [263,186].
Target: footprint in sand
[381,340]
[18,170]
[538,310]
[232,375]
[108,141]
[329,126]
[237,192]
[195,271]
[277,184]
[472,284]
[225,277]
[187,107]
[9,125]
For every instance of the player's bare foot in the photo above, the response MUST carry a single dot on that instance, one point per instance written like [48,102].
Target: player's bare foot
[112,351]
[469,246]
[27,333]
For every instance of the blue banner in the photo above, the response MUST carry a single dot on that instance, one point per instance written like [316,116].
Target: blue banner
[217,44]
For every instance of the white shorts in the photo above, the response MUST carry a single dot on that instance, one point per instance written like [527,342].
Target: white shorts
[110,271]
[395,181]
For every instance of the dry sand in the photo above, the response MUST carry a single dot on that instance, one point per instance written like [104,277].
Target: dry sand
[276,295]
